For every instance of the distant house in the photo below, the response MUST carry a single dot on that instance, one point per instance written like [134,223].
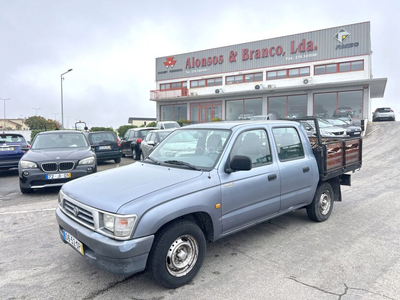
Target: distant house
[140,121]
[13,124]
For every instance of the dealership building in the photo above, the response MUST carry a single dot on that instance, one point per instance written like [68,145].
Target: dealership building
[325,73]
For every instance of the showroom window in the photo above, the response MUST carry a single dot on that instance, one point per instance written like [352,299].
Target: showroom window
[339,67]
[174,112]
[339,104]
[294,106]
[243,109]
[244,78]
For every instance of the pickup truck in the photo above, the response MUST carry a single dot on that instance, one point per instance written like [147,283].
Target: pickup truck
[200,184]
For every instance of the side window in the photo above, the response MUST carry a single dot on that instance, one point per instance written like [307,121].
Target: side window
[288,143]
[131,134]
[255,145]
[148,137]
[126,136]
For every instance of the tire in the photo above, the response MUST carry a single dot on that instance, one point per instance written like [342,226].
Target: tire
[117,160]
[133,153]
[123,155]
[321,208]
[170,242]
[25,190]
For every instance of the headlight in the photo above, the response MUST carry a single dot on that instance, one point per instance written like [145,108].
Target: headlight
[323,132]
[87,161]
[60,198]
[120,226]
[27,164]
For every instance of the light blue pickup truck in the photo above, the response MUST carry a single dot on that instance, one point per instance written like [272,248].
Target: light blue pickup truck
[200,184]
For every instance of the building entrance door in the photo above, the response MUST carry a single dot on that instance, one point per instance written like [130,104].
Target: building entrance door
[205,113]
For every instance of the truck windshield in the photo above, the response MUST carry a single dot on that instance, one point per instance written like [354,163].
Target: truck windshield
[60,140]
[200,148]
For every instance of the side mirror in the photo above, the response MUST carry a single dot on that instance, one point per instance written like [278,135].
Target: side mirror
[239,163]
[151,143]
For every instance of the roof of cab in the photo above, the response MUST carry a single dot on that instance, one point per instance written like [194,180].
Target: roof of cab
[232,124]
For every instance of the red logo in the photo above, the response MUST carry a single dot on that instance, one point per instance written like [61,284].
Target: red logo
[170,62]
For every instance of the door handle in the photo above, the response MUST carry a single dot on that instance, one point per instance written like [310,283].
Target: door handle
[306,169]
[271,177]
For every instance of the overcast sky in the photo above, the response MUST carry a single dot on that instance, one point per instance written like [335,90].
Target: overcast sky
[112,45]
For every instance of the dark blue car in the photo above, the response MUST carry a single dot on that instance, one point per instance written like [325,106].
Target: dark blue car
[12,147]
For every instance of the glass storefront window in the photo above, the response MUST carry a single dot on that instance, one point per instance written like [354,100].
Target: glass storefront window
[180,112]
[297,106]
[324,105]
[350,103]
[167,113]
[173,112]
[243,109]
[234,109]
[338,104]
[277,106]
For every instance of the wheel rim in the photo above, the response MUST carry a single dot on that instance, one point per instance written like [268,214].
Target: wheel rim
[182,256]
[325,201]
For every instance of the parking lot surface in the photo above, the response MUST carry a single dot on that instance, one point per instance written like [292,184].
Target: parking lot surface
[353,255]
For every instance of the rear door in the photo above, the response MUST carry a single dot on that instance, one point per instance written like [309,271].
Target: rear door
[250,196]
[295,168]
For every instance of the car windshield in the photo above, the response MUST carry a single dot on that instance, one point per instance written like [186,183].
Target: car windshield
[163,134]
[171,125]
[59,140]
[200,148]
[384,109]
[324,124]
[337,122]
[11,138]
[98,137]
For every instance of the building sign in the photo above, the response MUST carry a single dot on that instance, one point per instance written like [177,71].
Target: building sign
[349,40]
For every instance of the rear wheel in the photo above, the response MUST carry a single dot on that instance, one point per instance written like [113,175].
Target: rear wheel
[321,208]
[117,160]
[25,190]
[177,254]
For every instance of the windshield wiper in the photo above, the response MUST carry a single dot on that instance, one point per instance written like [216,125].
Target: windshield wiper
[182,163]
[153,160]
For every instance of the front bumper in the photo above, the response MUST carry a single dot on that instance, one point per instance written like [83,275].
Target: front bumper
[119,257]
[37,178]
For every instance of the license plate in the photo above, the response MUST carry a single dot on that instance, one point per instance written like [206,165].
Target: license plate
[58,176]
[6,148]
[356,133]
[104,147]
[73,242]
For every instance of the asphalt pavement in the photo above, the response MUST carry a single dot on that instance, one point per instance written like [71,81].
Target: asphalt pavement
[353,255]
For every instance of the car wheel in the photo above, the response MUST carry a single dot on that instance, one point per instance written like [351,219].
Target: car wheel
[133,153]
[123,155]
[321,208]
[177,255]
[117,160]
[25,190]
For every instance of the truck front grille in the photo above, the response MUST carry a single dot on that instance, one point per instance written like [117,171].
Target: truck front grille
[79,213]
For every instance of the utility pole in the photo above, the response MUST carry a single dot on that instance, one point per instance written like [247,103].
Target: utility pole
[4,128]
[36,109]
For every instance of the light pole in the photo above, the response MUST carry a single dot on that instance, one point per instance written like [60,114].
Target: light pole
[5,111]
[62,105]
[55,116]
[36,109]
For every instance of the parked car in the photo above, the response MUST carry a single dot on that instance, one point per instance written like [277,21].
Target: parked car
[270,116]
[343,111]
[167,125]
[105,144]
[152,139]
[55,158]
[326,129]
[351,130]
[130,143]
[12,147]
[245,116]
[160,214]
[383,113]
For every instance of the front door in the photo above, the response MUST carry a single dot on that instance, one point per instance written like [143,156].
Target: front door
[205,113]
[249,197]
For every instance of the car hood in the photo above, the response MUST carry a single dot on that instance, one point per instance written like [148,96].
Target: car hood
[109,190]
[42,155]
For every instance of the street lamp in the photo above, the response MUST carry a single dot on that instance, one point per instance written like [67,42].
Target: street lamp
[5,111]
[55,116]
[62,105]
[36,109]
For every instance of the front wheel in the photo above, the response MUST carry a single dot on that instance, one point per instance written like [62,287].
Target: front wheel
[321,208]
[177,254]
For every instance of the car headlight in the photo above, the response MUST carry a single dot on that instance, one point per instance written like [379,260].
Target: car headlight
[87,161]
[27,164]
[323,132]
[120,226]
[60,198]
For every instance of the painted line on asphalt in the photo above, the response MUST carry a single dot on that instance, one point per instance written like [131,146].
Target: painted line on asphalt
[373,131]
[26,211]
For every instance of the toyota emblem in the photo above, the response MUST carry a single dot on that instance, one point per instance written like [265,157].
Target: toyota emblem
[76,211]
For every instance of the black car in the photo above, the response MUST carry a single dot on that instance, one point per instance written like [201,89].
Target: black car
[55,158]
[12,147]
[105,144]
[132,139]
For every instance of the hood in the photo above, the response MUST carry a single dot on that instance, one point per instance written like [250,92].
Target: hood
[109,190]
[43,155]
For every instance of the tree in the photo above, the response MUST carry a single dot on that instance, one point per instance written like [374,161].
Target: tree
[123,129]
[35,122]
[102,129]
